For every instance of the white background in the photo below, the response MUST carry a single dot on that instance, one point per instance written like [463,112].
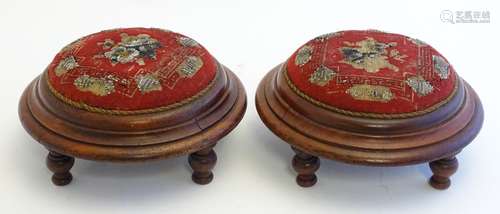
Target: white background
[253,174]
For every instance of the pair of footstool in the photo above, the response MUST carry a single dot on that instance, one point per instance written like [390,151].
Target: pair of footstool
[361,97]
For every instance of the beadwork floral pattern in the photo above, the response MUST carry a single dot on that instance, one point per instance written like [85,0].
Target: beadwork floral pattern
[131,69]
[131,48]
[370,55]
[303,55]
[419,85]
[370,92]
[67,64]
[322,75]
[372,72]
[441,67]
[98,86]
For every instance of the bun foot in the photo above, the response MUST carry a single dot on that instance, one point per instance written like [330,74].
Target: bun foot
[202,162]
[60,165]
[305,165]
[442,170]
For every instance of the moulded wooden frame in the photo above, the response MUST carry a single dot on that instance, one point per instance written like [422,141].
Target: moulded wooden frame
[314,131]
[194,128]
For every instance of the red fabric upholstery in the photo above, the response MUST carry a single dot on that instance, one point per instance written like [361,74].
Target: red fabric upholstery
[131,69]
[372,72]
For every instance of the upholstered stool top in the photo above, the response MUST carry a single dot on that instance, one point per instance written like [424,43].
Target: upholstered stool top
[371,72]
[131,70]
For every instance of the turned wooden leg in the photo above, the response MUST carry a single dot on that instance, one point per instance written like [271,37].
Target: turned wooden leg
[60,165]
[442,170]
[305,165]
[203,162]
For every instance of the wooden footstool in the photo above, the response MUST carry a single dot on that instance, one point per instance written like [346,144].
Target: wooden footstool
[370,98]
[132,94]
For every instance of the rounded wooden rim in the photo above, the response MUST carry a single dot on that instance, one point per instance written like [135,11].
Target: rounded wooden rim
[206,137]
[366,148]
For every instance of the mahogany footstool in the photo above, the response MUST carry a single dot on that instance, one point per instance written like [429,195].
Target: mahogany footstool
[132,94]
[370,98]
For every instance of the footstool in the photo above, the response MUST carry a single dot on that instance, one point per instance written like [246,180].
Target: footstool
[132,94]
[370,98]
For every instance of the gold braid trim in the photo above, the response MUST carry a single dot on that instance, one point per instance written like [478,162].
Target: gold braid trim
[90,108]
[367,114]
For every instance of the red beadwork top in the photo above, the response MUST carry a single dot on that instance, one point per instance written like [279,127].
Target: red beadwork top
[131,69]
[371,72]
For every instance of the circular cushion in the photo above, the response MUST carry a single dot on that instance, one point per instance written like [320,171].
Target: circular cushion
[371,72]
[131,70]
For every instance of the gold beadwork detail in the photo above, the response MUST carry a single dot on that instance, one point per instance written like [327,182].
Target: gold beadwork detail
[147,83]
[441,67]
[419,85]
[322,75]
[67,64]
[190,66]
[370,93]
[304,55]
[97,86]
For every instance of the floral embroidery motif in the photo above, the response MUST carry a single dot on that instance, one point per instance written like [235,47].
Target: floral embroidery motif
[322,75]
[190,66]
[187,42]
[131,71]
[370,93]
[303,55]
[147,83]
[419,85]
[97,86]
[346,68]
[67,64]
[131,48]
[441,67]
[370,55]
